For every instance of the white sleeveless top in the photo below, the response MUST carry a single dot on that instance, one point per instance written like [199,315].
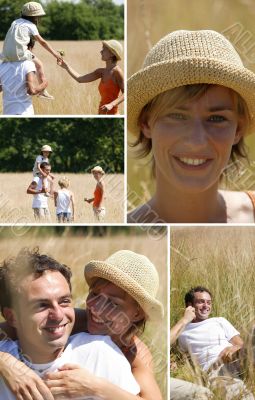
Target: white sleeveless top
[63,201]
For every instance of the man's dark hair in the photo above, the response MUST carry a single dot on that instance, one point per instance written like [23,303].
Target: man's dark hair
[190,295]
[44,164]
[27,262]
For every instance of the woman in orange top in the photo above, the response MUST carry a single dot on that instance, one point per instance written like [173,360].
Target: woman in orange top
[98,199]
[111,77]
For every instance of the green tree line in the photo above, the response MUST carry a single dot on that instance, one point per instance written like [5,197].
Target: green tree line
[77,143]
[70,231]
[65,20]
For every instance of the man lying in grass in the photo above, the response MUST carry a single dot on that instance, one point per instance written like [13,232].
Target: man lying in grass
[214,344]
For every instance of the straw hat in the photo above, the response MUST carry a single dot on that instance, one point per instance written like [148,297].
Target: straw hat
[115,47]
[132,272]
[32,9]
[98,169]
[46,148]
[186,58]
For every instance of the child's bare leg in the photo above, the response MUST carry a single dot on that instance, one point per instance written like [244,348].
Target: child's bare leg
[41,77]
[50,180]
[44,184]
[39,69]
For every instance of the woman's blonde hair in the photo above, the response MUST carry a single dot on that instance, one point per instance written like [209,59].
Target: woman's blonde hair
[160,105]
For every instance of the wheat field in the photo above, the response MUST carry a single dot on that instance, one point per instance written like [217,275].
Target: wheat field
[71,97]
[76,251]
[150,20]
[221,259]
[16,204]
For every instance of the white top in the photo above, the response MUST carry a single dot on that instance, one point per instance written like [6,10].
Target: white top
[63,201]
[16,101]
[40,200]
[39,159]
[205,340]
[98,354]
[17,39]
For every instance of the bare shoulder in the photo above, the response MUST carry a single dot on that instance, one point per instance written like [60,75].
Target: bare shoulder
[118,71]
[240,206]
[144,214]
[143,353]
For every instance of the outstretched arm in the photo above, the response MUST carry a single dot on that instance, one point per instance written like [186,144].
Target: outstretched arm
[46,45]
[93,76]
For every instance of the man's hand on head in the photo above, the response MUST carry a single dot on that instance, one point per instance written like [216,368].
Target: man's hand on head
[189,314]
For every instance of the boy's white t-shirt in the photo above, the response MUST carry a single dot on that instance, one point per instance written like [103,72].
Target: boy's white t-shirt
[63,201]
[206,339]
[16,101]
[17,39]
[40,200]
[98,354]
[39,159]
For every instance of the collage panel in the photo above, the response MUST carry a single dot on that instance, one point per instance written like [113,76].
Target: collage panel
[62,170]
[62,58]
[212,313]
[190,111]
[119,288]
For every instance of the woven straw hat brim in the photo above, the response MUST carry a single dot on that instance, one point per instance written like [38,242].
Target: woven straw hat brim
[157,78]
[100,269]
[113,50]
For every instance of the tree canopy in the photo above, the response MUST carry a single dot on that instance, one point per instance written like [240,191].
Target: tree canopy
[78,143]
[65,20]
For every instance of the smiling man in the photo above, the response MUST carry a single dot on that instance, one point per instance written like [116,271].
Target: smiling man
[35,297]
[210,341]
[213,343]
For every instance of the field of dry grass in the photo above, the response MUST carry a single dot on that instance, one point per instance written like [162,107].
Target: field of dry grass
[76,251]
[150,20]
[221,259]
[16,205]
[70,97]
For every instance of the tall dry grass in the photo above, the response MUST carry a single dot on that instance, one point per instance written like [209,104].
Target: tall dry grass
[76,251]
[221,259]
[16,204]
[149,21]
[71,97]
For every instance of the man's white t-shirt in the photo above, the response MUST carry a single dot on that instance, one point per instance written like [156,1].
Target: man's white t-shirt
[39,159]
[98,354]
[16,101]
[40,200]
[17,39]
[206,339]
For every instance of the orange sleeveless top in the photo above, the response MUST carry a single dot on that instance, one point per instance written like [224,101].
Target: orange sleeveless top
[98,193]
[109,91]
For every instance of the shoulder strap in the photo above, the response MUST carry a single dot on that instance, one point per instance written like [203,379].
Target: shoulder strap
[252,197]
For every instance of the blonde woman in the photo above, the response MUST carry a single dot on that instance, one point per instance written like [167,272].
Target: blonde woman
[99,193]
[111,85]
[190,107]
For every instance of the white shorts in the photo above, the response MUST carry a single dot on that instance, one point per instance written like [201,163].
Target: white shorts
[99,213]
[42,214]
